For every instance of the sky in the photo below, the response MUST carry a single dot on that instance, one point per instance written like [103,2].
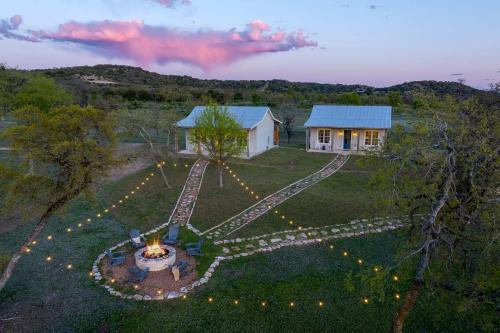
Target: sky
[377,43]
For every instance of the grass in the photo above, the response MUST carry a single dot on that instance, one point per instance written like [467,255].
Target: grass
[264,175]
[304,276]
[339,199]
[151,205]
[49,297]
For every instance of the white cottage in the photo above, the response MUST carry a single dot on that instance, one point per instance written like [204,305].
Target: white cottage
[347,128]
[259,122]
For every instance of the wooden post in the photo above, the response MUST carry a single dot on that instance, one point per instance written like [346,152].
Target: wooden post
[357,145]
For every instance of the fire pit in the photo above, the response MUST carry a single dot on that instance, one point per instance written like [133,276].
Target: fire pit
[156,257]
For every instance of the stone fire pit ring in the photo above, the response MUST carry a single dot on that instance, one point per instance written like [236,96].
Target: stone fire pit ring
[155,264]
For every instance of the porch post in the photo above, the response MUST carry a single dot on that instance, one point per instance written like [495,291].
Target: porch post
[357,145]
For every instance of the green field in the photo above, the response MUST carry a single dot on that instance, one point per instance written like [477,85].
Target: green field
[44,296]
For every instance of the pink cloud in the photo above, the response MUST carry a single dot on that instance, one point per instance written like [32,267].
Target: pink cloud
[148,45]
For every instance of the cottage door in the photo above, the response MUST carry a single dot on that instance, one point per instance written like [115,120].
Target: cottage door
[347,139]
[276,136]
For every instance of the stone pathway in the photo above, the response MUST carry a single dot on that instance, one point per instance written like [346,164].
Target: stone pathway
[187,200]
[246,246]
[252,213]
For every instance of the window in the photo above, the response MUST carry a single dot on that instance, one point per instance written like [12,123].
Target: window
[371,138]
[324,136]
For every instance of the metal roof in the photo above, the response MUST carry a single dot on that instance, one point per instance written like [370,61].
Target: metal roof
[350,116]
[247,116]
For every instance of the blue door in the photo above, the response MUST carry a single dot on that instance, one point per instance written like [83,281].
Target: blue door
[347,139]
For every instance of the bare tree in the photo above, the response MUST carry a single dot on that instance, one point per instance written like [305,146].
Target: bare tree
[288,122]
[143,123]
[444,173]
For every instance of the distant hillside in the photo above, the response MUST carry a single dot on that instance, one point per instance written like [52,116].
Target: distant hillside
[124,76]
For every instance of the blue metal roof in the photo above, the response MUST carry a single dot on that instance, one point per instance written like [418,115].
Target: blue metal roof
[247,116]
[350,116]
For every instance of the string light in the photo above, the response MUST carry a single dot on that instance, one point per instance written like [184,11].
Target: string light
[68,230]
[33,242]
[397,296]
[210,300]
[28,250]
[49,237]
[184,296]
[320,303]
[236,302]
[136,286]
[49,258]
[292,304]
[283,217]
[79,225]
[263,303]
[69,266]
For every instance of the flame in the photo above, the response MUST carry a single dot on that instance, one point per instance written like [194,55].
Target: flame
[154,249]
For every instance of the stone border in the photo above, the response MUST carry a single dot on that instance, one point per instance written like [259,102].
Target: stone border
[169,294]
[353,229]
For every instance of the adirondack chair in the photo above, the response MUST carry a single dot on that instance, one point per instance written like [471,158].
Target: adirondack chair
[136,239]
[182,265]
[171,237]
[194,249]
[116,258]
[137,274]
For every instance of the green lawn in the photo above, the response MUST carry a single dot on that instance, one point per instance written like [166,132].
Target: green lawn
[43,296]
[341,198]
[264,174]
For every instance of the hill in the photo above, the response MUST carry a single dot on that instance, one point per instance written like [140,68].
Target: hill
[124,76]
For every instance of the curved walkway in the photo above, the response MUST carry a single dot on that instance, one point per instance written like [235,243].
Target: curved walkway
[252,213]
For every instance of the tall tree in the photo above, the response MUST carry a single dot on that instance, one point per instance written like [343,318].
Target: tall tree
[43,93]
[394,98]
[444,174]
[218,134]
[288,122]
[71,145]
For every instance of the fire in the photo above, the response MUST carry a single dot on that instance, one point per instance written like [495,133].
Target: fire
[154,250]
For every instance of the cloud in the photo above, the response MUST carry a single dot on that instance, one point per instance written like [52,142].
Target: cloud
[146,44]
[9,29]
[172,3]
[456,74]
[373,7]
